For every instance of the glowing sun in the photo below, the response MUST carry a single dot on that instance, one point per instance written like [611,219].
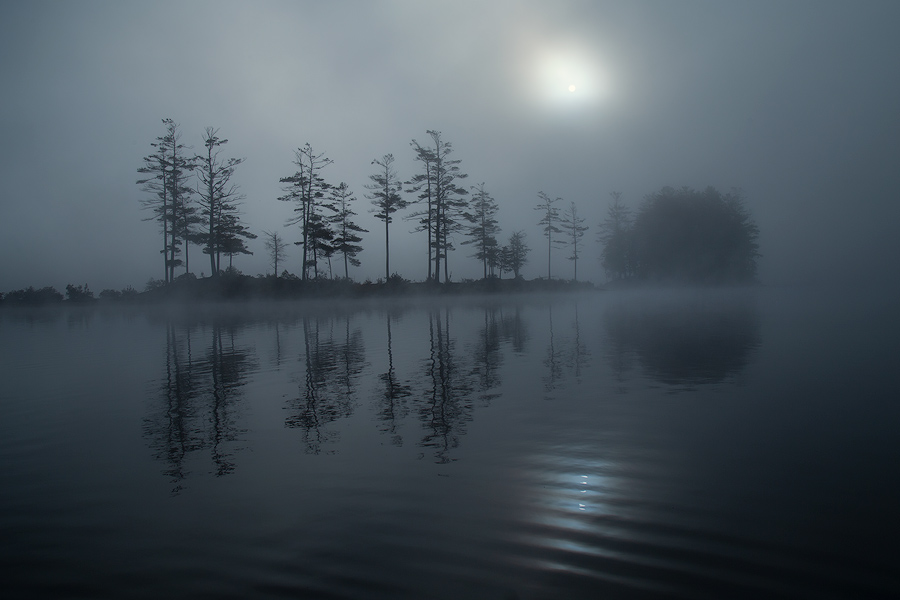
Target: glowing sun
[566,76]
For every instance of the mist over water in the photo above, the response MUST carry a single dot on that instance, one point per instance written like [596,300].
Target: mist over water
[717,443]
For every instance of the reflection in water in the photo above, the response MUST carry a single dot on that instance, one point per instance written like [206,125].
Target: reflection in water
[487,356]
[580,353]
[198,405]
[393,398]
[447,406]
[566,356]
[683,342]
[327,394]
[553,362]
[591,495]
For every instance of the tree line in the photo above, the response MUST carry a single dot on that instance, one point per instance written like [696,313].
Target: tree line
[675,235]
[193,200]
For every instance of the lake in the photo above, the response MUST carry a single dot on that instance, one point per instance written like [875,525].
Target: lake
[701,444]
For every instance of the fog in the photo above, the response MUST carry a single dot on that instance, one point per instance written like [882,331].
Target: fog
[793,103]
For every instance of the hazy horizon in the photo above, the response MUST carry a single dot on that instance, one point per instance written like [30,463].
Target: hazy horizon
[793,103]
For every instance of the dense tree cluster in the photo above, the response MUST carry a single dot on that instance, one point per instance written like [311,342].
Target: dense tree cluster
[682,235]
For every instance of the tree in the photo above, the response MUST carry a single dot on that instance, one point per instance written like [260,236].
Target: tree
[446,202]
[306,188]
[346,241]
[277,248]
[617,256]
[423,184]
[217,199]
[549,222]
[232,234]
[78,294]
[167,172]
[515,253]
[484,229]
[574,228]
[697,237]
[184,217]
[387,200]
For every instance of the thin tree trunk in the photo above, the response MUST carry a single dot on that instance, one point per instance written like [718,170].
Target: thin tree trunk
[387,249]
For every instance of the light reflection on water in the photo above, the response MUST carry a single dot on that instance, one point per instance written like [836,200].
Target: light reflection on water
[542,447]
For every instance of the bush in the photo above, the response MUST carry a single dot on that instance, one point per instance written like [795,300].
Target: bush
[697,237]
[33,297]
[79,294]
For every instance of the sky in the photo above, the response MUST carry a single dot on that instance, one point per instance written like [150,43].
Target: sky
[797,104]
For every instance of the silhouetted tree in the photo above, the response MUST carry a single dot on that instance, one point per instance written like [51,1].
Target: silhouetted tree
[422,184]
[617,256]
[574,228]
[78,294]
[484,229]
[346,241]
[33,297]
[184,217]
[306,188]
[277,248]
[217,199]
[387,200]
[515,253]
[694,236]
[232,234]
[168,171]
[549,221]
[446,199]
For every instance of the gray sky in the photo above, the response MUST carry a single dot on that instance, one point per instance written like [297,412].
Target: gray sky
[796,103]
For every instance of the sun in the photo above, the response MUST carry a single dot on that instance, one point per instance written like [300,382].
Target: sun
[566,76]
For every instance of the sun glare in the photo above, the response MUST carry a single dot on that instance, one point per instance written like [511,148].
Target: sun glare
[566,77]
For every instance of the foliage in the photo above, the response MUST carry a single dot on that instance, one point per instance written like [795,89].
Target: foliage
[78,294]
[617,256]
[167,172]
[484,229]
[346,241]
[223,232]
[514,254]
[306,188]
[574,228]
[446,202]
[549,220]
[693,236]
[33,297]
[154,284]
[387,200]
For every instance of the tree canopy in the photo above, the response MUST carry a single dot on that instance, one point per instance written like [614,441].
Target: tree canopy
[695,236]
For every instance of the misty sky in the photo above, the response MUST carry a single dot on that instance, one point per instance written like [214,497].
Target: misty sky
[796,103]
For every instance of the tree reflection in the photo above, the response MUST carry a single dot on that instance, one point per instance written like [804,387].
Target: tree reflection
[330,373]
[487,356]
[579,354]
[553,361]
[684,342]
[393,405]
[447,406]
[199,397]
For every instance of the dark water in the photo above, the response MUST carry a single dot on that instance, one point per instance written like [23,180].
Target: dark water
[726,444]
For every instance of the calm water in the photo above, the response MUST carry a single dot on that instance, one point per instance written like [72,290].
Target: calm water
[721,444]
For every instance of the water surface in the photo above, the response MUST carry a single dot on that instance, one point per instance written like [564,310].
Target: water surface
[687,444]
